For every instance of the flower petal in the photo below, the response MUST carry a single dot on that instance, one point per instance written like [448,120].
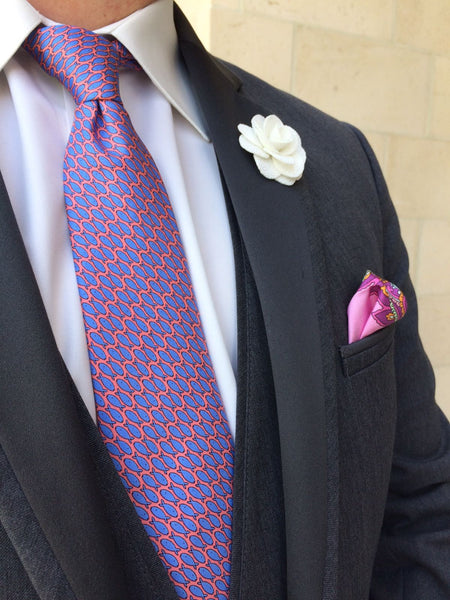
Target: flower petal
[286,180]
[286,160]
[248,132]
[271,123]
[258,122]
[294,169]
[266,167]
[296,163]
[252,148]
[286,140]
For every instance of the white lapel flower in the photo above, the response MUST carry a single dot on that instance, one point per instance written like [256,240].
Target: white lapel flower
[276,148]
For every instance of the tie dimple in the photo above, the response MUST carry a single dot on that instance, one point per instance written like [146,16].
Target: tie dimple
[158,406]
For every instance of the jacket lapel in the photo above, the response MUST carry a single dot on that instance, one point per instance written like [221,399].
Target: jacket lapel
[284,278]
[41,433]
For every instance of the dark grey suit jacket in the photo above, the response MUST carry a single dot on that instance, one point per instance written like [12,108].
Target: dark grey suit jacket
[361,458]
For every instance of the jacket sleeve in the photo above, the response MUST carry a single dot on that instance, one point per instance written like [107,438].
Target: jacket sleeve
[413,558]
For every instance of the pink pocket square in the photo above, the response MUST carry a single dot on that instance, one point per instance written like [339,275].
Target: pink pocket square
[377,304]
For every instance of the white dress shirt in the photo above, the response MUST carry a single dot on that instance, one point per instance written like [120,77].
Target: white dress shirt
[36,114]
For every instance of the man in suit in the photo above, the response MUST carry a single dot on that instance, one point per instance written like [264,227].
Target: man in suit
[342,460]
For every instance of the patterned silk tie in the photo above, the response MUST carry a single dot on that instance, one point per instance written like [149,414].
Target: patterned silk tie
[158,407]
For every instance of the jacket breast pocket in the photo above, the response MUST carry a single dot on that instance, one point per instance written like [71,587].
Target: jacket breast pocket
[362,354]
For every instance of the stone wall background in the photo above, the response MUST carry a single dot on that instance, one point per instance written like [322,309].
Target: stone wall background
[383,65]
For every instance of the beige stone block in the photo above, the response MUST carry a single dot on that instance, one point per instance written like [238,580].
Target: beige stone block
[410,229]
[234,4]
[199,14]
[374,85]
[256,43]
[440,119]
[418,174]
[443,388]
[365,17]
[434,326]
[433,274]
[424,24]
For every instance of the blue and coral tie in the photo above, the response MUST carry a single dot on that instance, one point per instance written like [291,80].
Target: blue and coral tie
[158,406]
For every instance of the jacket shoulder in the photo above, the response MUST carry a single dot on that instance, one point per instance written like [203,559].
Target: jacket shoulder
[282,102]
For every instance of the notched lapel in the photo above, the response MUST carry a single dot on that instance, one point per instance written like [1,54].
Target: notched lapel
[272,221]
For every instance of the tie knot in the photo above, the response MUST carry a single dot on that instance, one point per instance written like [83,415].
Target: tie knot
[87,64]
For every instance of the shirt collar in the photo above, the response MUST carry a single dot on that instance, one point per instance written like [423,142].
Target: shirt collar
[149,34]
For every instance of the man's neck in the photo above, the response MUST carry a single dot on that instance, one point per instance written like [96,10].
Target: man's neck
[90,14]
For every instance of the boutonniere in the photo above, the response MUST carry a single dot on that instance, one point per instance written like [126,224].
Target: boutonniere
[276,148]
